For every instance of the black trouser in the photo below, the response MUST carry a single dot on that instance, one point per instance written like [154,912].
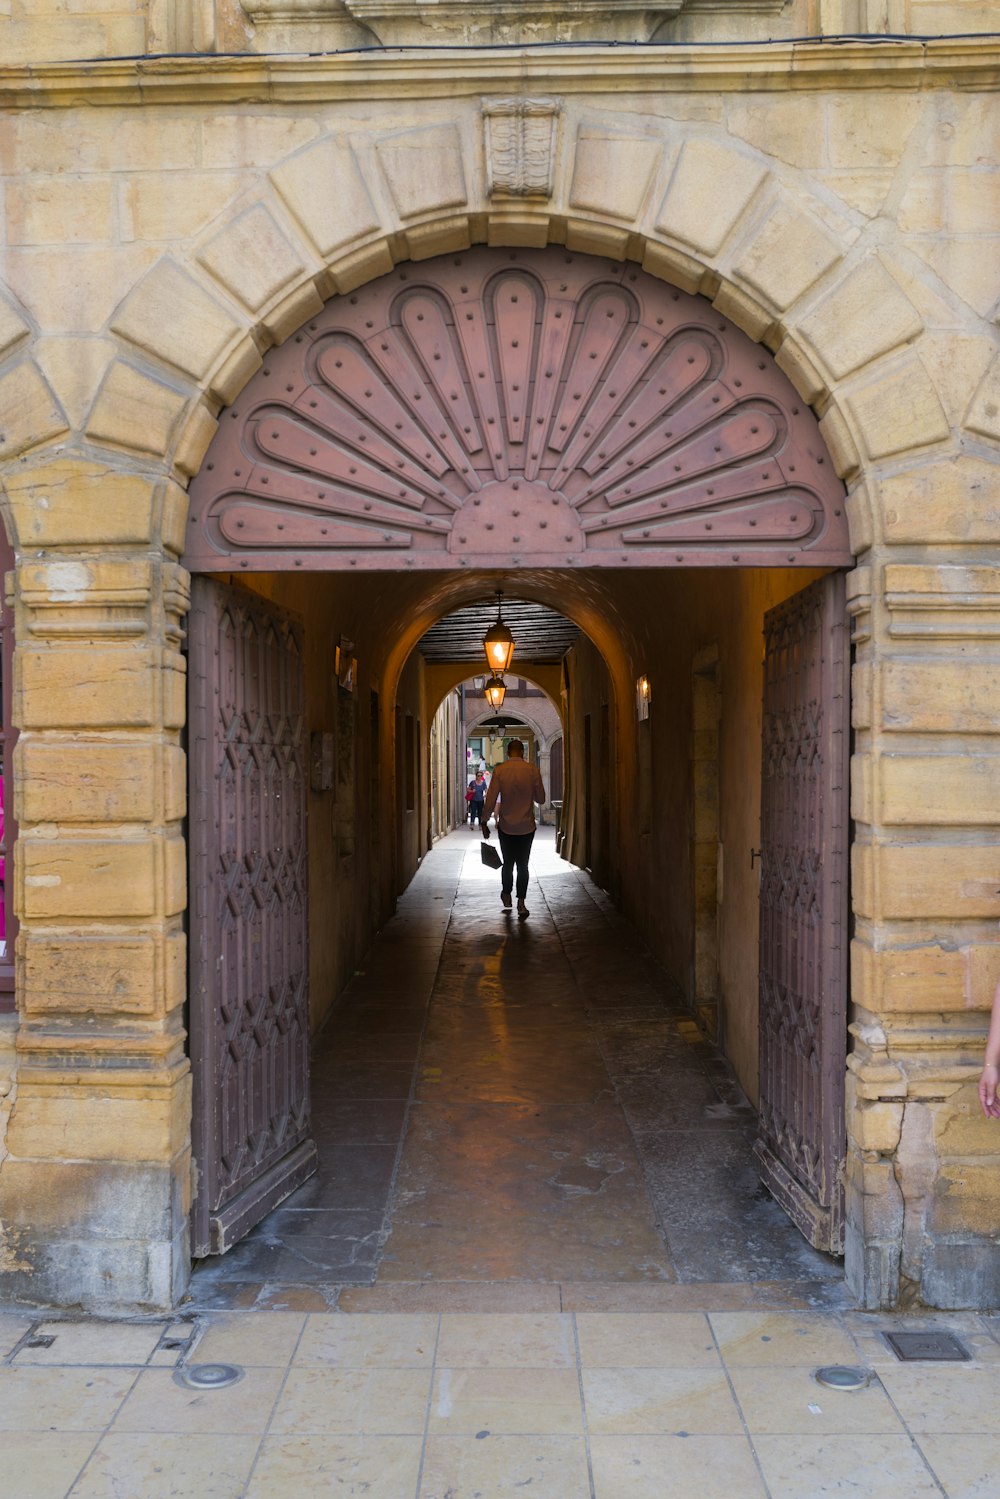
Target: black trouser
[476,809]
[516,848]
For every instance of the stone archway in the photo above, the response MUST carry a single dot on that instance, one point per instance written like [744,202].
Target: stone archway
[537,408]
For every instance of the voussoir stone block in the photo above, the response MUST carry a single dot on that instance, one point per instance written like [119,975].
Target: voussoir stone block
[899,411]
[172,317]
[710,187]
[945,502]
[253,258]
[983,416]
[136,410]
[12,327]
[29,412]
[325,191]
[864,316]
[612,172]
[786,256]
[423,169]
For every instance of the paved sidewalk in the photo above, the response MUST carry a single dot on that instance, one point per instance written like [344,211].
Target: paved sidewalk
[583,1405]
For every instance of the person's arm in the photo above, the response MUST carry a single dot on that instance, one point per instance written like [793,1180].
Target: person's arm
[539,787]
[988,1100]
[489,804]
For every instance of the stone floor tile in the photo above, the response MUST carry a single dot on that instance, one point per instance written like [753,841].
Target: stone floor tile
[389,1341]
[67,1400]
[212,1288]
[719,1221]
[516,1340]
[452,1296]
[946,1398]
[504,1467]
[12,1330]
[790,1338]
[159,1404]
[139,1465]
[659,1401]
[631,1340]
[283,1298]
[520,1401]
[789,1402]
[388,1402]
[348,1466]
[683,1467]
[34,1469]
[882,1467]
[966,1465]
[250,1338]
[90,1343]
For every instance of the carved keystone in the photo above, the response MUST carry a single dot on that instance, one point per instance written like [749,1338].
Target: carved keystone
[520,146]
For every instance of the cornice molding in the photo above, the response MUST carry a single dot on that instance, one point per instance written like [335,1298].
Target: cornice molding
[432,72]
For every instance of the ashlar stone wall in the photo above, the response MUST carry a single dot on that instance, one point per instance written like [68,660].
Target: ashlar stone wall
[166,222]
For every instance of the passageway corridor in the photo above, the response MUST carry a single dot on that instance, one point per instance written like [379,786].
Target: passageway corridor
[503,1106]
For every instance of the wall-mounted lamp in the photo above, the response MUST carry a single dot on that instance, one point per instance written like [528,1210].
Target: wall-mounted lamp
[498,643]
[643,697]
[495,691]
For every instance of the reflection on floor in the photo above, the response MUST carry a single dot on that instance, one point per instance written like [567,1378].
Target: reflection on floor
[518,1108]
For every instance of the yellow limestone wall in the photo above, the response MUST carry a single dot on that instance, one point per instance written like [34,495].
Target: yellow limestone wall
[166,221]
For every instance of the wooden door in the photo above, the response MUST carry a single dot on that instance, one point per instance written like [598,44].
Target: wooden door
[249,1008]
[803,909]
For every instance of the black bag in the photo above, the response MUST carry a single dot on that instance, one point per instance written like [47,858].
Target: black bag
[489,856]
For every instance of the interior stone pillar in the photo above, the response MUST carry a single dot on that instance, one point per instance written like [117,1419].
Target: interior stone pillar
[95,1185]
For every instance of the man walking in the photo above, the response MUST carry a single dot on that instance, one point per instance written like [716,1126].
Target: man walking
[518,786]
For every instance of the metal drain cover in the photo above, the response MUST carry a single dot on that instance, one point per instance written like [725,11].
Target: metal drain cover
[941,1347]
[842,1377]
[209,1376]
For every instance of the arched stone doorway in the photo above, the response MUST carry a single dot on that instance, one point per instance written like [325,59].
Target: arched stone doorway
[541,412]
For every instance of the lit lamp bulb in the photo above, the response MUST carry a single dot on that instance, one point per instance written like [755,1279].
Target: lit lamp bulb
[498,645]
[495,690]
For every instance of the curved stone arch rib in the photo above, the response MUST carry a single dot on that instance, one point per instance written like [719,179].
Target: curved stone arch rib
[775,257]
[540,407]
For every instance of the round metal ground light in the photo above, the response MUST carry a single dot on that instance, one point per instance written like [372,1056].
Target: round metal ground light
[842,1377]
[209,1376]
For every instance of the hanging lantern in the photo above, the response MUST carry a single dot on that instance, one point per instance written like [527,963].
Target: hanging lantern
[498,644]
[495,690]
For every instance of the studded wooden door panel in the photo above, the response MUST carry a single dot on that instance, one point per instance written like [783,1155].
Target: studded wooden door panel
[249,1013]
[556,409]
[803,909]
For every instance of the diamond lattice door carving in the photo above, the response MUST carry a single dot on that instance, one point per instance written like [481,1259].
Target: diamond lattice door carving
[249,1019]
[803,909]
[550,408]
